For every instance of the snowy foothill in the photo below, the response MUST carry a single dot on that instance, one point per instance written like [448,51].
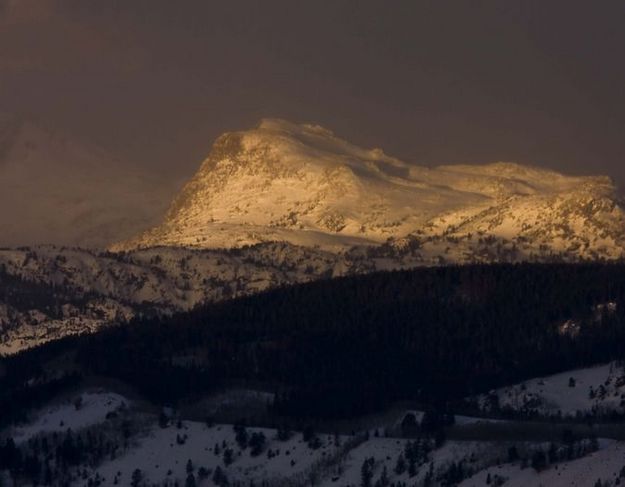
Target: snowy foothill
[167,455]
[74,413]
[164,454]
[593,390]
[167,450]
[605,466]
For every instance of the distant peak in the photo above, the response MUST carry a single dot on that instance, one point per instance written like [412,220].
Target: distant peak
[319,139]
[280,125]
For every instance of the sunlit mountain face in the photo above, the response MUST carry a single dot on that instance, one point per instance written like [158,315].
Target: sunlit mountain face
[302,184]
[276,205]
[301,243]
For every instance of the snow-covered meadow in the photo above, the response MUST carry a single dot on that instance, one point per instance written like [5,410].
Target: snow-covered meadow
[598,390]
[167,449]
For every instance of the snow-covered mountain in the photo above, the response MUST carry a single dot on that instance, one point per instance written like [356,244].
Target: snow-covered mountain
[310,205]
[54,189]
[302,184]
[48,292]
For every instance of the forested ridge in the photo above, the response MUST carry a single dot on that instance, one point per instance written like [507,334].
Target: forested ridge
[347,346]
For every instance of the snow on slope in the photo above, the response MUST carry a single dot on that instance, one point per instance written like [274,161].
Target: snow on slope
[599,389]
[162,459]
[159,451]
[302,184]
[86,409]
[162,453]
[56,190]
[319,206]
[169,277]
[605,465]
[95,290]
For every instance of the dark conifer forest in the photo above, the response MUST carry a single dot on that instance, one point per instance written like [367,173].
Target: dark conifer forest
[341,347]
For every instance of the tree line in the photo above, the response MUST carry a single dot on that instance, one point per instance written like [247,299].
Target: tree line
[342,347]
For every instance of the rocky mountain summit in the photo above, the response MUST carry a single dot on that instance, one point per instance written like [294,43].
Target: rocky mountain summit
[302,184]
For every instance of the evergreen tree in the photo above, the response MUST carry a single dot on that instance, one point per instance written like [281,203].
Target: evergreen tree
[513,454]
[366,472]
[228,457]
[283,434]
[400,466]
[383,481]
[219,477]
[202,473]
[257,443]
[539,460]
[241,435]
[137,478]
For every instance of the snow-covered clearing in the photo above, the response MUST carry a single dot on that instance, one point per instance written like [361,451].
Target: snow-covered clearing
[75,413]
[599,389]
[604,465]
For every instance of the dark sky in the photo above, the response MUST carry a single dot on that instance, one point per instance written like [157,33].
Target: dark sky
[431,82]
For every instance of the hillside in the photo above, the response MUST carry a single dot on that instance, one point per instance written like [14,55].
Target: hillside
[441,375]
[47,292]
[447,331]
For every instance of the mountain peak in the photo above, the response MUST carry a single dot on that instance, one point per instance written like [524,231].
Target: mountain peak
[281,125]
[300,183]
